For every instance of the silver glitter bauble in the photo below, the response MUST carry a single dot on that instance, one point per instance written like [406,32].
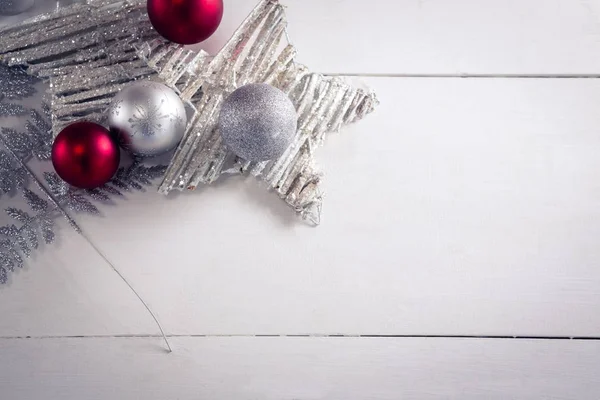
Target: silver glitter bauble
[258,122]
[148,118]
[14,7]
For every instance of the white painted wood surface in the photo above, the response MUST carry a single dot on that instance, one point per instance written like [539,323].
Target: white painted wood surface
[475,211]
[439,36]
[460,207]
[299,368]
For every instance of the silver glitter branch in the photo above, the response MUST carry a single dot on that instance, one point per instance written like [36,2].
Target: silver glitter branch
[23,239]
[16,84]
[134,177]
[18,242]
[86,51]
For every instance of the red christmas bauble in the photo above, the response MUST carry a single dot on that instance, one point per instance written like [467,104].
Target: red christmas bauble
[85,155]
[185,21]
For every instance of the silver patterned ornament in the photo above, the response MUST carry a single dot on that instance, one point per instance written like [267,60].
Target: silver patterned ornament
[14,7]
[148,118]
[258,122]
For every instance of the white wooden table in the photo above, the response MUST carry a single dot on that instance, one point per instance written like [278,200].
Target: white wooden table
[458,256]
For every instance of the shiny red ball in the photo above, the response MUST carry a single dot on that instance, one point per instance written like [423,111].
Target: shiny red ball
[185,21]
[85,155]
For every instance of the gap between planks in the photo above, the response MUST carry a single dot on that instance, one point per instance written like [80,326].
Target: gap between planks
[468,75]
[322,336]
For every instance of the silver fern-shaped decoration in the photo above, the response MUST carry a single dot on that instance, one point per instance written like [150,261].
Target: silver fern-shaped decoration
[35,141]
[12,174]
[18,240]
[15,84]
[134,177]
[30,228]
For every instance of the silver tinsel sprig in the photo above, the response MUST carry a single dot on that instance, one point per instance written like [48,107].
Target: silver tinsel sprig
[36,141]
[19,239]
[86,51]
[15,83]
[12,174]
[12,110]
[137,175]
[134,177]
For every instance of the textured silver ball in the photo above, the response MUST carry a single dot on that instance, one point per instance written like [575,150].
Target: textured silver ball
[258,122]
[14,7]
[148,118]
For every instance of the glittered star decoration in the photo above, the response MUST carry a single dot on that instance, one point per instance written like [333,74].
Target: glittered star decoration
[123,47]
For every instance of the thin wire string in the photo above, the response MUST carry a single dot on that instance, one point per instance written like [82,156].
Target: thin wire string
[162,332]
[105,258]
[71,220]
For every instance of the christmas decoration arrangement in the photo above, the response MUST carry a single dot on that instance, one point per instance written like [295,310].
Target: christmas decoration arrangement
[121,78]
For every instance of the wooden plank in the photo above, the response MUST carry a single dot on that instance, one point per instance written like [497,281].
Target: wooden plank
[460,207]
[433,36]
[447,37]
[438,36]
[298,368]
